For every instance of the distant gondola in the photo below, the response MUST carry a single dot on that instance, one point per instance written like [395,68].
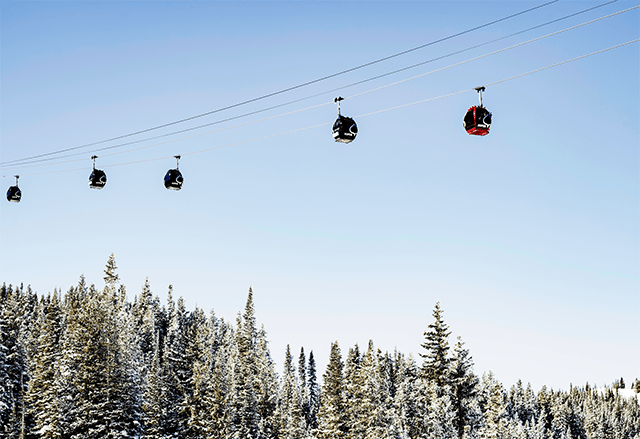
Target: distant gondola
[477,121]
[345,128]
[173,178]
[14,194]
[97,179]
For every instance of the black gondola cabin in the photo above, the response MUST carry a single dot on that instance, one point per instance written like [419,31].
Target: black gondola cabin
[344,128]
[173,178]
[14,194]
[97,179]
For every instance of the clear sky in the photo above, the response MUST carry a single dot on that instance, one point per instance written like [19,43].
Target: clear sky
[528,237]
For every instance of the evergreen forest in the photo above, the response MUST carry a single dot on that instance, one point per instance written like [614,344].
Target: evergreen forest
[89,364]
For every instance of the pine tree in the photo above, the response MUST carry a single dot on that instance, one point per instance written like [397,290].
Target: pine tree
[100,387]
[244,405]
[352,386]
[436,361]
[464,389]
[198,398]
[178,369]
[15,308]
[314,393]
[292,422]
[154,397]
[42,395]
[267,388]
[222,381]
[331,414]
[438,423]
[373,401]
[495,413]
[410,400]
[304,390]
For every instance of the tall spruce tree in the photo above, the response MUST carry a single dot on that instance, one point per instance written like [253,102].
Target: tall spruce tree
[292,422]
[410,399]
[314,393]
[15,308]
[42,395]
[464,389]
[304,390]
[436,365]
[244,405]
[332,423]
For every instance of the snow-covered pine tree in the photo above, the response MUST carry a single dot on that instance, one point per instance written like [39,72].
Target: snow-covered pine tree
[197,401]
[268,388]
[374,418]
[304,390]
[464,388]
[245,416]
[144,311]
[314,393]
[292,422]
[222,381]
[154,397]
[410,400]
[436,360]
[495,408]
[331,414]
[16,308]
[103,398]
[352,366]
[178,368]
[42,395]
[438,422]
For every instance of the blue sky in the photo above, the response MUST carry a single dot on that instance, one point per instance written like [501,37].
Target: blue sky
[528,237]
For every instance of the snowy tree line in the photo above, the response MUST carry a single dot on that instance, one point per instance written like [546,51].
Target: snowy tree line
[89,364]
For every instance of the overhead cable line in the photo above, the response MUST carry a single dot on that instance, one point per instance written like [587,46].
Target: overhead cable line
[359,116]
[330,102]
[13,164]
[289,88]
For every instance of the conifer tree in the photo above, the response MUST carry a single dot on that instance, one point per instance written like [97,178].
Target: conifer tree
[464,389]
[222,382]
[14,309]
[436,361]
[292,422]
[331,414]
[267,388]
[304,390]
[374,419]
[179,370]
[410,399]
[244,404]
[42,395]
[197,399]
[102,389]
[495,413]
[352,385]
[438,422]
[155,397]
[314,393]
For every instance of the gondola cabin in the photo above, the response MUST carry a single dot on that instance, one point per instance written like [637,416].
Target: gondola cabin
[477,121]
[173,178]
[14,194]
[345,129]
[97,179]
